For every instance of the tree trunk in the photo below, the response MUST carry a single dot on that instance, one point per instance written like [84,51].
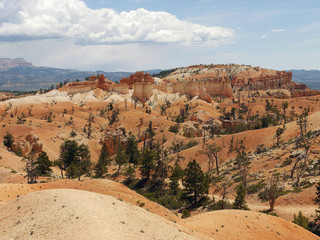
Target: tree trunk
[217,165]
[294,168]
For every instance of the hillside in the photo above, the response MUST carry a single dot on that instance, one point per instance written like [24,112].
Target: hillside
[174,119]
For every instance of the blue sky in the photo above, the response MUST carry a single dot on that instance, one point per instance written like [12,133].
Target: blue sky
[131,35]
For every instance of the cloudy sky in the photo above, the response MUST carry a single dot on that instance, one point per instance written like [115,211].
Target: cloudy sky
[129,35]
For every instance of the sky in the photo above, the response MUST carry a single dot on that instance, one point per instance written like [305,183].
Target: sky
[131,35]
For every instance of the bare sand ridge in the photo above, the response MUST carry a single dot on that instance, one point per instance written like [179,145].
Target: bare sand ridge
[74,214]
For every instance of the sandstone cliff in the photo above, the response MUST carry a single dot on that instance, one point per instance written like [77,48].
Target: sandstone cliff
[137,78]
[206,81]
[142,91]
[24,147]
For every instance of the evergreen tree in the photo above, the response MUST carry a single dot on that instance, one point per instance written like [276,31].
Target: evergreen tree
[161,170]
[196,183]
[240,201]
[121,158]
[132,150]
[101,167]
[147,163]
[176,175]
[8,140]
[43,164]
[301,220]
[74,159]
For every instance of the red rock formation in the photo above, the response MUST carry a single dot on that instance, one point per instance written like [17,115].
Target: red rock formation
[112,140]
[259,80]
[205,86]
[142,91]
[31,143]
[101,80]
[136,78]
[92,78]
[206,81]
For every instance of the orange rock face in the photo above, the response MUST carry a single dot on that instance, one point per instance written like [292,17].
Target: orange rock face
[31,143]
[142,91]
[262,79]
[138,77]
[204,86]
[112,140]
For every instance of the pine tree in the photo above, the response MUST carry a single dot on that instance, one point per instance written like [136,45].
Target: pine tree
[74,159]
[121,158]
[101,167]
[240,201]
[301,220]
[147,163]
[176,175]
[132,150]
[43,164]
[196,183]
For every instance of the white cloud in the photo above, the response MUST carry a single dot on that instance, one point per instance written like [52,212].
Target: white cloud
[278,30]
[72,19]
[263,36]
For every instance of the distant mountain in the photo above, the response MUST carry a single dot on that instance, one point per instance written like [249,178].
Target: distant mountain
[20,75]
[305,75]
[309,77]
[7,63]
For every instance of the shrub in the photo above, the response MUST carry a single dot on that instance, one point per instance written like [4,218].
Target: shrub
[185,213]
[301,220]
[256,187]
[174,128]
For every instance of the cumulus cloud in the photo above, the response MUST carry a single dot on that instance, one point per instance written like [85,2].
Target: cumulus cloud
[72,19]
[263,36]
[278,30]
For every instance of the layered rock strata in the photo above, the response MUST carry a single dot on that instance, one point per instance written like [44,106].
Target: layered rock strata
[142,91]
[138,77]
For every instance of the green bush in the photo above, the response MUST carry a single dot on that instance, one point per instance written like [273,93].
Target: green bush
[185,213]
[256,187]
[174,128]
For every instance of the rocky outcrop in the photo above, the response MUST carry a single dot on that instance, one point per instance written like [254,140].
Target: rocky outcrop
[261,79]
[191,130]
[142,91]
[138,77]
[121,88]
[112,140]
[204,86]
[25,147]
[80,87]
[206,81]
[301,90]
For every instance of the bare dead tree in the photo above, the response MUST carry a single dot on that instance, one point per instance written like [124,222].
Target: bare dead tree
[213,153]
[273,191]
